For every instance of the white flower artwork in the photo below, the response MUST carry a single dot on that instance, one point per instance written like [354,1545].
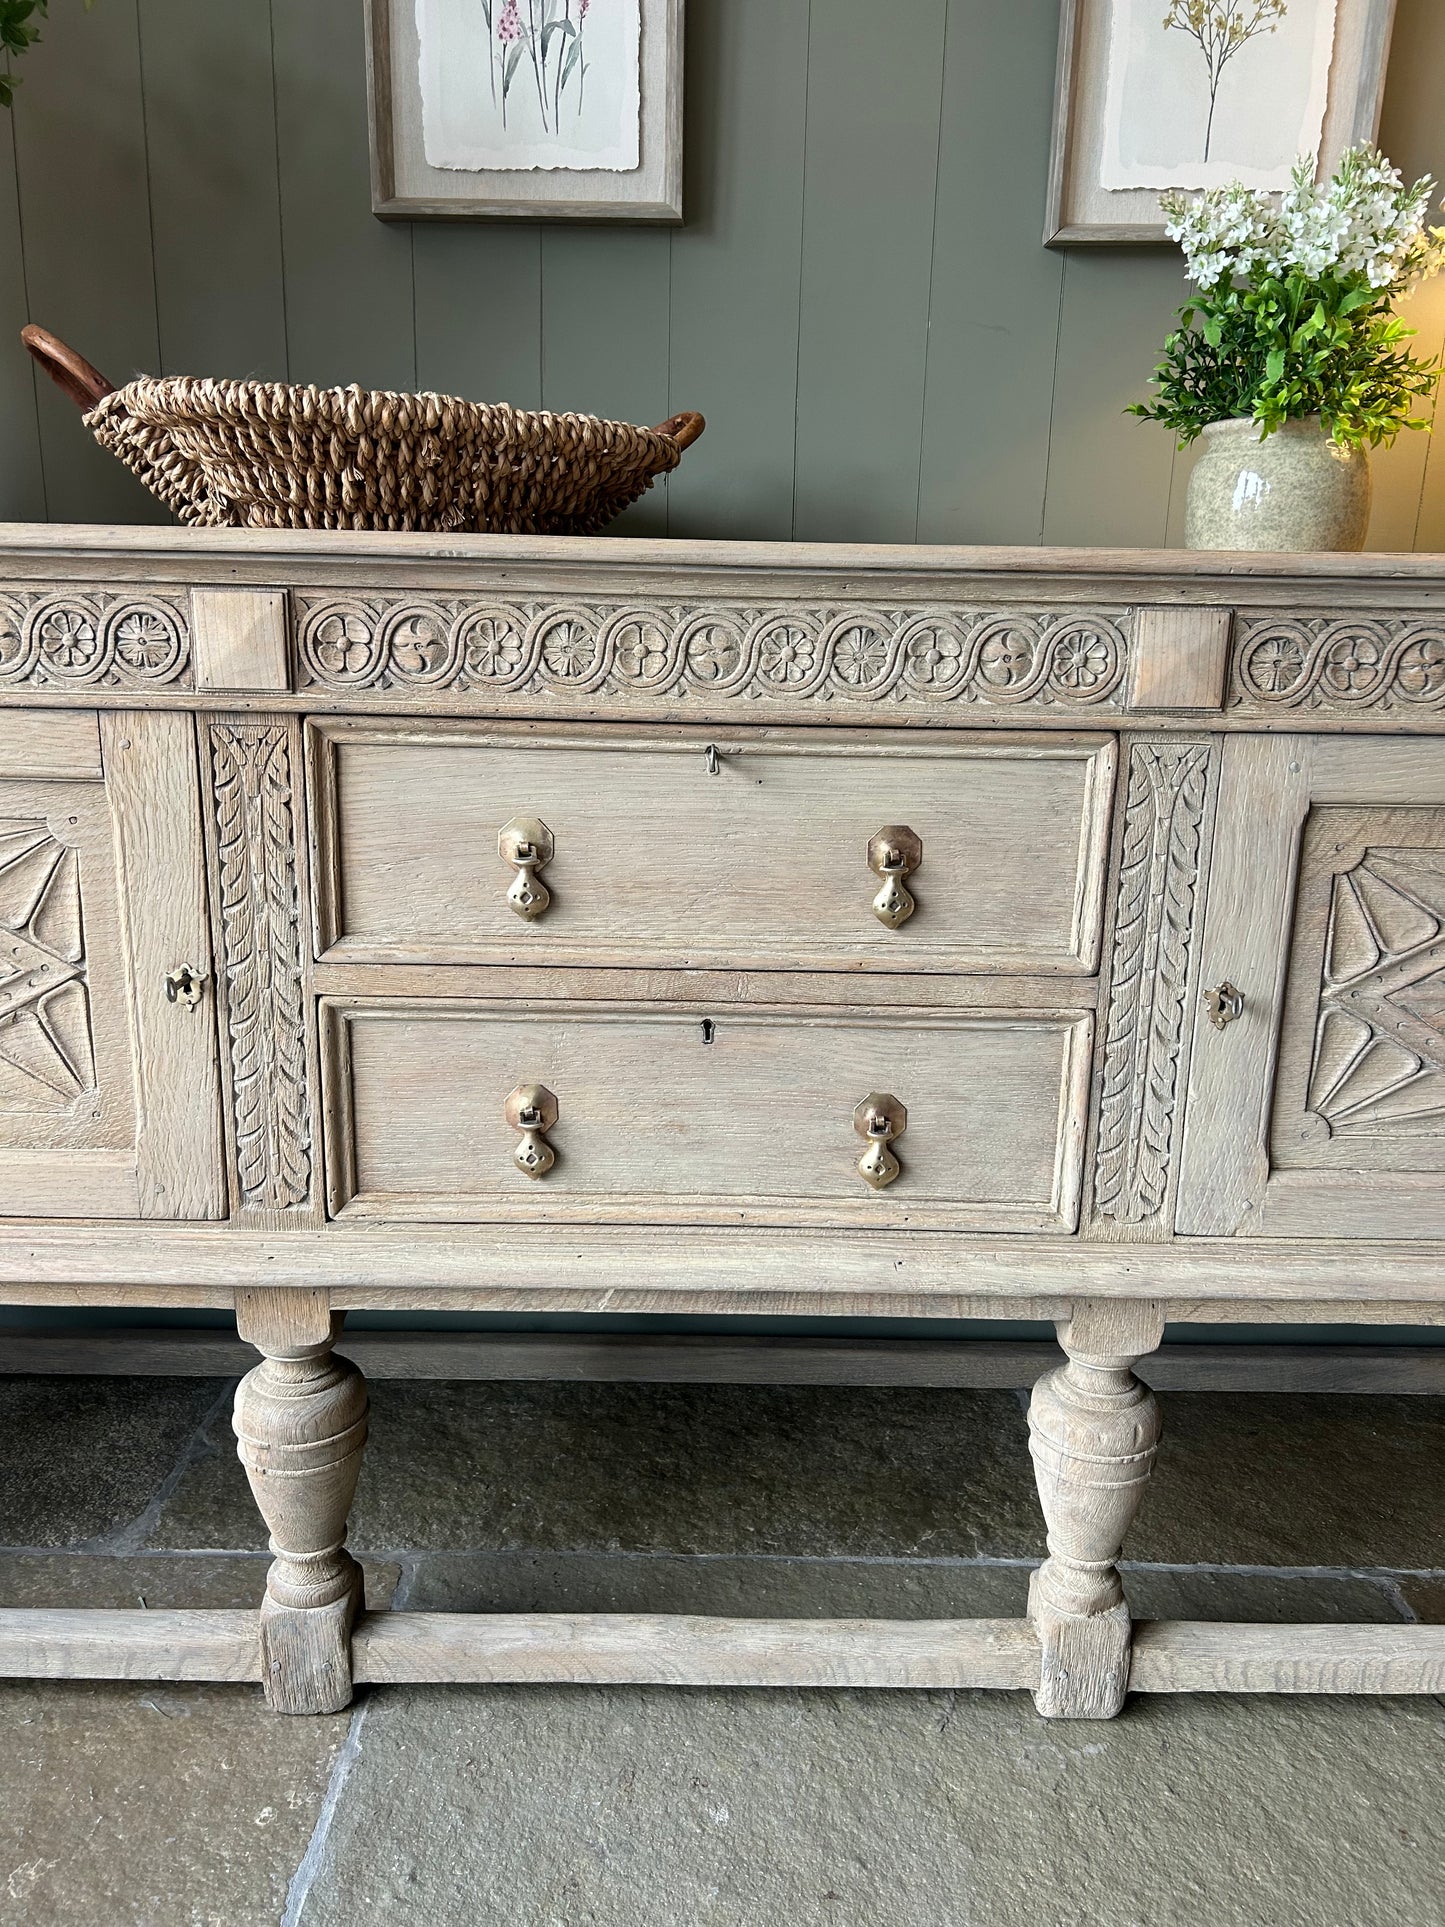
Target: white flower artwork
[530,84]
[1201,92]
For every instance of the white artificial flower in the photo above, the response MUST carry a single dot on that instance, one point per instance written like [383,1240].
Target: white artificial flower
[1363,220]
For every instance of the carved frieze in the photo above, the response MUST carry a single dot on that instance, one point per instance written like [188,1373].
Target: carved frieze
[1379,1053]
[63,638]
[260,918]
[1347,663]
[987,657]
[1156,922]
[46,1048]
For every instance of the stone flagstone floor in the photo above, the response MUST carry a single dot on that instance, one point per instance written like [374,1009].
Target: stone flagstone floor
[169,1806]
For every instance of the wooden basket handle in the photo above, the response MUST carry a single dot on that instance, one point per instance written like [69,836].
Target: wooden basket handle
[684,429]
[68,370]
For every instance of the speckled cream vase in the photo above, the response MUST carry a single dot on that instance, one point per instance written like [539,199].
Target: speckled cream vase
[1293,490]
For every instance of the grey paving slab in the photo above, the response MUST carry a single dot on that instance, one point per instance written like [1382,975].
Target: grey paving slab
[847,1588]
[57,1580]
[148,1806]
[1242,1479]
[696,1468]
[1296,1480]
[1426,1599]
[151,1805]
[554,1807]
[82,1457]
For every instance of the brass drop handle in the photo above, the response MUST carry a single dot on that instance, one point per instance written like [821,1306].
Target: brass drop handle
[184,986]
[880,1119]
[893,854]
[1224,1003]
[532,1110]
[527,844]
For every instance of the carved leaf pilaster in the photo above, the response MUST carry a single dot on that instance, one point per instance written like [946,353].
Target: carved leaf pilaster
[260,927]
[1156,921]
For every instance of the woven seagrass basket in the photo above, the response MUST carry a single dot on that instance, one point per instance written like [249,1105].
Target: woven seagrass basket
[269,455]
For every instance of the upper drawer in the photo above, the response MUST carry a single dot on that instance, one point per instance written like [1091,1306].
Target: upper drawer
[756,854]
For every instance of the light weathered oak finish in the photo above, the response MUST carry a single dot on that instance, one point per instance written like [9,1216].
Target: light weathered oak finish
[1093,1432]
[254,888]
[300,1423]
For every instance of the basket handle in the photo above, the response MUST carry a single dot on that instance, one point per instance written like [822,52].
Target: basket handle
[68,370]
[684,429]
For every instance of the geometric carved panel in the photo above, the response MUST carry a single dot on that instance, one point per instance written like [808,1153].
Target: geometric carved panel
[46,1050]
[1379,1051]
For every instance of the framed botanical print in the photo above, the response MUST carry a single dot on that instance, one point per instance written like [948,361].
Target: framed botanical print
[528,108]
[1154,95]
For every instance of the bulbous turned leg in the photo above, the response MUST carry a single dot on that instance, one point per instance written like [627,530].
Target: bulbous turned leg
[1094,1429]
[300,1421]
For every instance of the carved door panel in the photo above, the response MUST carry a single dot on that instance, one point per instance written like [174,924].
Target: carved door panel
[108,1087]
[1320,1110]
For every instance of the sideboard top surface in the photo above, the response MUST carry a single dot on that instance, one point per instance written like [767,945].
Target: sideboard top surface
[337,555]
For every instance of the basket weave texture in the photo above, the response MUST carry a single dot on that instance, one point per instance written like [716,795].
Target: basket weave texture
[266,455]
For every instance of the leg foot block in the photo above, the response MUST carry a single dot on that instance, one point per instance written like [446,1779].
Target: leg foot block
[306,1654]
[1085,1670]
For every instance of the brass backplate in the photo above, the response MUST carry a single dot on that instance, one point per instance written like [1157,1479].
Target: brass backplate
[897,836]
[880,1104]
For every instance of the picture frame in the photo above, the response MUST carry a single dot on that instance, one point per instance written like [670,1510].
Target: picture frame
[1083,211]
[406,185]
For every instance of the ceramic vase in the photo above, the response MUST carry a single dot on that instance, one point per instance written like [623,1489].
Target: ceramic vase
[1291,490]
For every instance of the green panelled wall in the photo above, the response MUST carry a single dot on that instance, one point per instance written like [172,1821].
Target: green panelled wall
[858,299]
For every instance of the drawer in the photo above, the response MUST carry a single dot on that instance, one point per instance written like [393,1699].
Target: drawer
[756,854]
[673,1115]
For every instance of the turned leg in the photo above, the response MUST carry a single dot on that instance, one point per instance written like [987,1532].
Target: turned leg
[1094,1429]
[300,1424]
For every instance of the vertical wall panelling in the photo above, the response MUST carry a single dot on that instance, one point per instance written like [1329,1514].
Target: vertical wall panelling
[874,78]
[81,155]
[211,144]
[735,266]
[994,314]
[479,310]
[604,335]
[1108,479]
[22,481]
[857,299]
[349,299]
[1412,133]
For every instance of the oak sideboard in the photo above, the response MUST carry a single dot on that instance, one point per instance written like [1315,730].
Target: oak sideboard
[534,925]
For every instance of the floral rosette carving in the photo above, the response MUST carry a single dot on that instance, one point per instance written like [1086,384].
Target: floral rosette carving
[935,654]
[420,646]
[865,653]
[781,654]
[80,639]
[571,649]
[342,645]
[1346,662]
[645,649]
[716,656]
[788,655]
[147,639]
[494,650]
[71,643]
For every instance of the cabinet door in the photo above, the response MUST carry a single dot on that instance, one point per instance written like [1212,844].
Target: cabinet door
[1320,1111]
[108,1086]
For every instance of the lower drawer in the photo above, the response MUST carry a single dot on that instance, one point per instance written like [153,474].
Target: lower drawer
[672,1115]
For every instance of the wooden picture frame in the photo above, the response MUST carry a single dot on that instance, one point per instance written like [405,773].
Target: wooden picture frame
[1083,213]
[405,187]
